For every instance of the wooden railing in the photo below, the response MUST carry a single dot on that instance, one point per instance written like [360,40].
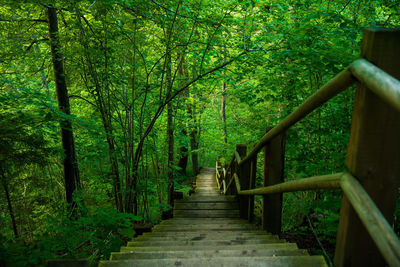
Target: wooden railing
[370,184]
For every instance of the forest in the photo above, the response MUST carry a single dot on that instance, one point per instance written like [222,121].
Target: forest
[108,107]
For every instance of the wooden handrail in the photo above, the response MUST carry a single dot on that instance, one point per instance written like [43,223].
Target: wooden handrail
[377,81]
[339,83]
[330,181]
[379,229]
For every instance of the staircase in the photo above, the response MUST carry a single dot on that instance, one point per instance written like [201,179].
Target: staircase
[206,231]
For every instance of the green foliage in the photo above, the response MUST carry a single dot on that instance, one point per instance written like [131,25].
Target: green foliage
[115,66]
[93,236]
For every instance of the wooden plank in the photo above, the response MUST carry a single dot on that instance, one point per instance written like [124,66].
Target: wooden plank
[202,243]
[199,248]
[205,233]
[206,214]
[206,190]
[220,198]
[206,206]
[274,158]
[252,182]
[373,153]
[210,236]
[243,173]
[206,253]
[271,261]
[183,221]
[190,228]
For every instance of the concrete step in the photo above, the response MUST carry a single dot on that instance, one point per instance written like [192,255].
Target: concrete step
[271,261]
[206,254]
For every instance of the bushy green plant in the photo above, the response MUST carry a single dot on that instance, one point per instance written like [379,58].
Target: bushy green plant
[92,236]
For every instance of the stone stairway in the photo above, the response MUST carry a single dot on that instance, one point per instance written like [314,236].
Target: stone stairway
[206,231]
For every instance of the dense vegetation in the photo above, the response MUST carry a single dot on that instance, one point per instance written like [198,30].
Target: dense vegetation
[157,89]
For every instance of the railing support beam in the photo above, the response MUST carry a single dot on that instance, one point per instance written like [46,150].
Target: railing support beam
[252,183]
[373,154]
[274,158]
[244,178]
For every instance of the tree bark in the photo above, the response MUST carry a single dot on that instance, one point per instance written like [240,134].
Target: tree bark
[71,171]
[183,149]
[10,208]
[223,114]
[223,104]
[183,155]
[170,132]
[193,138]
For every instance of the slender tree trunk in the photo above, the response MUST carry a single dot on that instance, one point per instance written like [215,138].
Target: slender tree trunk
[223,114]
[193,147]
[71,171]
[10,208]
[183,155]
[193,138]
[170,140]
[132,136]
[183,149]
[170,132]
[223,104]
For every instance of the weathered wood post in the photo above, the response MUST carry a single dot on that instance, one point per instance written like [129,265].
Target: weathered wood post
[231,189]
[218,172]
[274,159]
[373,155]
[252,182]
[243,172]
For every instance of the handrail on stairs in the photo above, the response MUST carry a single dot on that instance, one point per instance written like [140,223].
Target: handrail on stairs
[370,185]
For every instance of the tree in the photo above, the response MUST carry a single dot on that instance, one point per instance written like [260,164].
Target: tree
[71,170]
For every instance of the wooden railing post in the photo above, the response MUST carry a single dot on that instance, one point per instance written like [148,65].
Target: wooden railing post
[218,172]
[252,183]
[243,172]
[274,158]
[373,155]
[231,189]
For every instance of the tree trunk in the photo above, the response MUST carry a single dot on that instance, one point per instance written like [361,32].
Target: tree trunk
[170,132]
[223,114]
[170,140]
[183,155]
[223,104]
[183,149]
[193,138]
[5,186]
[71,171]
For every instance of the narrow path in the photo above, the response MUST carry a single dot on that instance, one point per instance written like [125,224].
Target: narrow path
[206,231]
